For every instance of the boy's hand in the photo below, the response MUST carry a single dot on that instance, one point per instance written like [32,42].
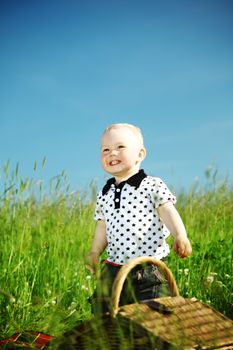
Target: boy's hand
[92,262]
[182,247]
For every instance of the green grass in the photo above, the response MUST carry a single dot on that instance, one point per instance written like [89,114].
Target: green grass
[46,232]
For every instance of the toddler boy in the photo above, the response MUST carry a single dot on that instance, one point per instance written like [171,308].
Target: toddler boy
[135,214]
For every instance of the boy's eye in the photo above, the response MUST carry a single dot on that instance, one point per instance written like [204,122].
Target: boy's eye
[121,146]
[105,150]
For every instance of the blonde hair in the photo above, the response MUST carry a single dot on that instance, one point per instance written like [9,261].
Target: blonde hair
[135,129]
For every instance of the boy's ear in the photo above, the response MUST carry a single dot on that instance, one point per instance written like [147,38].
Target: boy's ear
[142,154]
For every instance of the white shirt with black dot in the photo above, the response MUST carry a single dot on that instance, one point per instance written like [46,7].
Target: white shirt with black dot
[132,222]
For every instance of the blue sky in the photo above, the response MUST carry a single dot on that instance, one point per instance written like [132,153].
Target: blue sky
[69,68]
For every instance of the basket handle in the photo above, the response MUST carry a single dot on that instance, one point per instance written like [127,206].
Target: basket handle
[124,271]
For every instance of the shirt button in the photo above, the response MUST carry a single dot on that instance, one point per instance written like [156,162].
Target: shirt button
[118,190]
[112,185]
[117,200]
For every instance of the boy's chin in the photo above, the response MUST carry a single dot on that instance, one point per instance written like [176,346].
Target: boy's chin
[114,172]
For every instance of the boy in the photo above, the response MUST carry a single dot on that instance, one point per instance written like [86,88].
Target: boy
[135,214]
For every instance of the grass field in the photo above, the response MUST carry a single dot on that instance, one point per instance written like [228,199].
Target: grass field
[46,232]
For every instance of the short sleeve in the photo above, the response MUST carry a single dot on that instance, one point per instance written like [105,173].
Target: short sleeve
[161,193]
[99,215]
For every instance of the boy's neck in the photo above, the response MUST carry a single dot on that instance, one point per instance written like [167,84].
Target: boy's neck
[120,179]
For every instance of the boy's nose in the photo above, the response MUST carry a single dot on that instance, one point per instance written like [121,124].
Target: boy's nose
[113,152]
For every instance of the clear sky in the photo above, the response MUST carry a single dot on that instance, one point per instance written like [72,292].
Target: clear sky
[68,68]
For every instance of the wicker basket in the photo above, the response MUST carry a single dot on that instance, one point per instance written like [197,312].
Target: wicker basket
[164,323]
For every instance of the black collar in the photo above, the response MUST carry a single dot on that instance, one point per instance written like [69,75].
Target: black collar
[134,180]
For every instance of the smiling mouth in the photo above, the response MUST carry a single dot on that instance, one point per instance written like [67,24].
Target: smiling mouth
[114,162]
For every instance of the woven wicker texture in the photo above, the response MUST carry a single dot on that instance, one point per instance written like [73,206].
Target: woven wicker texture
[109,333]
[159,324]
[182,322]
[190,324]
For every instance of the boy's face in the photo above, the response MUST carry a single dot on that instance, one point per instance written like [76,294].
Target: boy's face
[121,152]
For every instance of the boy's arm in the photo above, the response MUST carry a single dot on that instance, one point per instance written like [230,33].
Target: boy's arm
[99,244]
[174,223]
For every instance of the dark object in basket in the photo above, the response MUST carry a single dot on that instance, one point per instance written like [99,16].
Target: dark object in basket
[155,305]
[161,324]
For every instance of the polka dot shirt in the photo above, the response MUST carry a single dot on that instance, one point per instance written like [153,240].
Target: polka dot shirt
[132,221]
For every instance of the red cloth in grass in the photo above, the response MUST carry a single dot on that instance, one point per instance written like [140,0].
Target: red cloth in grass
[26,340]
